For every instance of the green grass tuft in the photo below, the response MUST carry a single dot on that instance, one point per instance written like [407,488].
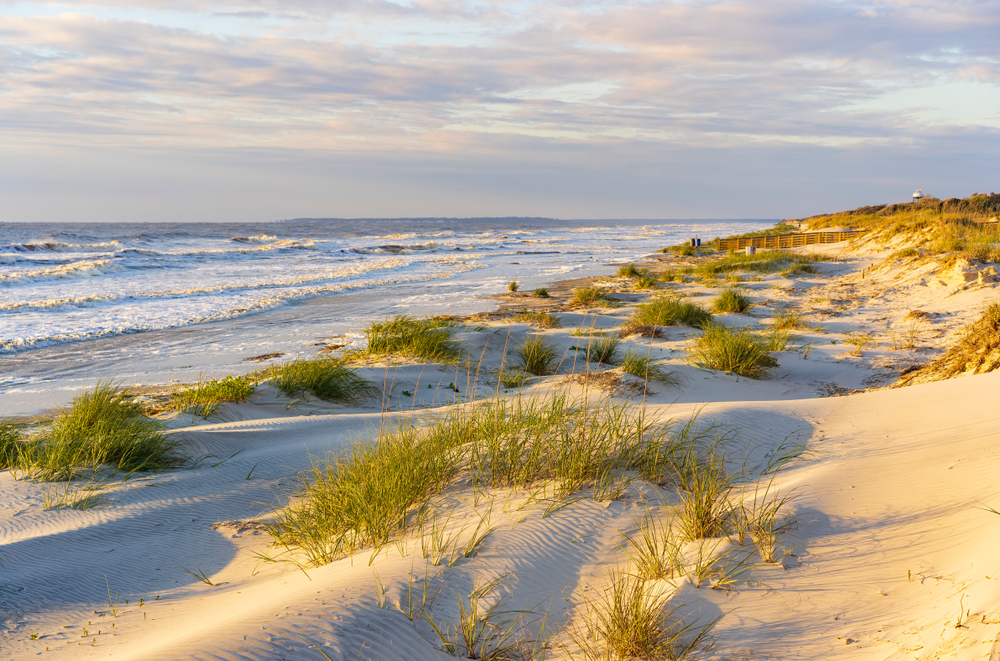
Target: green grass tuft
[670,311]
[536,356]
[631,271]
[541,292]
[587,295]
[204,397]
[513,379]
[603,349]
[323,377]
[103,427]
[735,350]
[429,339]
[513,286]
[640,365]
[539,319]
[645,282]
[732,300]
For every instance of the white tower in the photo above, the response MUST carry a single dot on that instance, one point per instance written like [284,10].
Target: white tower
[918,195]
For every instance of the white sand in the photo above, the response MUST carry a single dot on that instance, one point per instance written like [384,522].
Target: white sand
[891,542]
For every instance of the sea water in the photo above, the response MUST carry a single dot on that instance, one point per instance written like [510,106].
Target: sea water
[171,302]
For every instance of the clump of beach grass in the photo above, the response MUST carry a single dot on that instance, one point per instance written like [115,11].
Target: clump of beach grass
[664,311]
[10,434]
[787,319]
[367,494]
[541,292]
[645,282]
[735,350]
[629,621]
[640,365]
[429,339]
[323,377]
[512,379]
[603,349]
[536,356]
[764,261]
[732,300]
[631,271]
[102,428]
[542,320]
[587,295]
[513,286]
[204,397]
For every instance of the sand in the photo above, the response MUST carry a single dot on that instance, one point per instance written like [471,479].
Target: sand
[892,554]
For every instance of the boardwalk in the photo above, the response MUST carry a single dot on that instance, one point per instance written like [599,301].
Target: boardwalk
[789,240]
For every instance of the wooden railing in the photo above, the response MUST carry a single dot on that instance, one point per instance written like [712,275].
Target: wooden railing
[788,240]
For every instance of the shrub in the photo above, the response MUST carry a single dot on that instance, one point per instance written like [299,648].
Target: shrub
[587,295]
[513,286]
[631,271]
[541,292]
[603,349]
[539,319]
[204,397]
[102,427]
[640,365]
[732,300]
[323,377]
[429,339]
[738,351]
[536,356]
[669,311]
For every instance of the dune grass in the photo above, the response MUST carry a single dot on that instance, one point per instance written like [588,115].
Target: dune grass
[640,365]
[787,319]
[102,428]
[512,379]
[735,350]
[541,292]
[631,271]
[732,300]
[645,282]
[370,493]
[513,286]
[665,311]
[10,434]
[204,397]
[323,377]
[603,349]
[429,339]
[764,261]
[536,356]
[587,296]
[542,320]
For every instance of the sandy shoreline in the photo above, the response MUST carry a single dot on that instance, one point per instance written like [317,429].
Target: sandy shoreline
[890,556]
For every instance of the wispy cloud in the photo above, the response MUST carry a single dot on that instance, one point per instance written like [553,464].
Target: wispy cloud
[430,77]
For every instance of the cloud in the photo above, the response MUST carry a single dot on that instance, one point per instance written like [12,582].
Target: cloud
[380,79]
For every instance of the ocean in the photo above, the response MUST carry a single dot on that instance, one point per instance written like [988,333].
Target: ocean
[149,304]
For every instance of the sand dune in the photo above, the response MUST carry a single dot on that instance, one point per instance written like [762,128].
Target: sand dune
[892,555]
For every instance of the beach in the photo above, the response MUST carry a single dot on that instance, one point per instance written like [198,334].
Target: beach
[881,542]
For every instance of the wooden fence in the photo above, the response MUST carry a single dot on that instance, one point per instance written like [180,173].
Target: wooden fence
[789,240]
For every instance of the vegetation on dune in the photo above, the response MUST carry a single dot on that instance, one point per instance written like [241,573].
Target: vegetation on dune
[205,397]
[763,261]
[664,311]
[732,300]
[536,356]
[513,286]
[323,377]
[603,349]
[977,352]
[541,292]
[102,428]
[429,339]
[736,350]
[587,295]
[640,365]
[631,271]
[955,226]
[539,319]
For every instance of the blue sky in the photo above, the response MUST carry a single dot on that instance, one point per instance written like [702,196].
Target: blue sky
[257,110]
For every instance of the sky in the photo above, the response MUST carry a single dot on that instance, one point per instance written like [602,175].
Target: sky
[254,110]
